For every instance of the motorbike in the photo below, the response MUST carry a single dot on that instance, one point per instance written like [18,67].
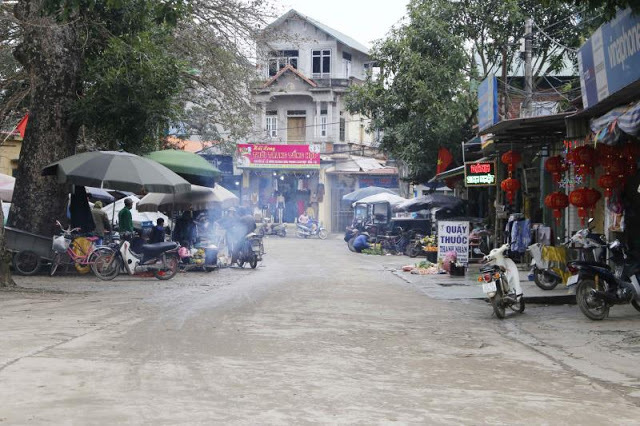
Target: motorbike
[272,228]
[315,229]
[599,287]
[501,282]
[546,276]
[160,258]
[250,251]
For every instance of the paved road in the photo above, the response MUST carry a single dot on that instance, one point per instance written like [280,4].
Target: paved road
[316,334]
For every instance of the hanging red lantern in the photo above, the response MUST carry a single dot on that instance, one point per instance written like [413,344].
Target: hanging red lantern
[604,152]
[556,166]
[609,183]
[584,159]
[557,201]
[629,151]
[510,186]
[593,196]
[511,159]
[581,198]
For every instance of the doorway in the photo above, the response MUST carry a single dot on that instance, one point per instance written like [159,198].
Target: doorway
[296,129]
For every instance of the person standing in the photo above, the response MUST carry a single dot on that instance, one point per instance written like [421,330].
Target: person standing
[101,221]
[125,219]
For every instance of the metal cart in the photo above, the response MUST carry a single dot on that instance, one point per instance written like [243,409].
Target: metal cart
[29,250]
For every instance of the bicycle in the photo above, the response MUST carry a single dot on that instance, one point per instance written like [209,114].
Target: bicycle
[72,249]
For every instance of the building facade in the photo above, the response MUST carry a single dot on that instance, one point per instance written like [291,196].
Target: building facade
[303,135]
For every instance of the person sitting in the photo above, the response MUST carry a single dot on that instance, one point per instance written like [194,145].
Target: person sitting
[305,220]
[158,232]
[185,231]
[361,242]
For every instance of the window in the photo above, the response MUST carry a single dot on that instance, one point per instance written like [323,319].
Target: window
[272,124]
[343,129]
[346,64]
[321,62]
[323,124]
[280,59]
[296,113]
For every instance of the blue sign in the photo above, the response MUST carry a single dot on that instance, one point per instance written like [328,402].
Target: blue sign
[610,60]
[488,102]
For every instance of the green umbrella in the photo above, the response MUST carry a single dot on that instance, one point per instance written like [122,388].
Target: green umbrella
[192,167]
[117,170]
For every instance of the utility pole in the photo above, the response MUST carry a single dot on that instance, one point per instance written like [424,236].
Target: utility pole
[528,72]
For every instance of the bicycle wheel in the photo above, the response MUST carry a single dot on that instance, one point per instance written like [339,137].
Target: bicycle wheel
[55,262]
[106,266]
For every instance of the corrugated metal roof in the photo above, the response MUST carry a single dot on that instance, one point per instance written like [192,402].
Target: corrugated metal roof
[342,38]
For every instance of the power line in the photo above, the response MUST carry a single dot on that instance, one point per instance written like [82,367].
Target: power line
[553,40]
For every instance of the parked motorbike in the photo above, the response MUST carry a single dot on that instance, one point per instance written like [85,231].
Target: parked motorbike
[415,247]
[546,276]
[159,258]
[599,287]
[501,282]
[272,228]
[250,251]
[316,229]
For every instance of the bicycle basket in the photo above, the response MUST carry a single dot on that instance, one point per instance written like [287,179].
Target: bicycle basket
[60,244]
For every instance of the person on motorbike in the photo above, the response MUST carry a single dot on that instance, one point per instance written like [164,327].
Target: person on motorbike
[237,228]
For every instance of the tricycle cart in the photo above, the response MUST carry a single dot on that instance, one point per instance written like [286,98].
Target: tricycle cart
[29,250]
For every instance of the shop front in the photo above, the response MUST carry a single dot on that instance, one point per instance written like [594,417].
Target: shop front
[281,181]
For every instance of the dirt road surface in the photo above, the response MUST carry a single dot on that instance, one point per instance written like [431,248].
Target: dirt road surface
[315,334]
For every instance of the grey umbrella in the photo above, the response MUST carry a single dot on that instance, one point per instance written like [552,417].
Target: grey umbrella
[358,194]
[117,170]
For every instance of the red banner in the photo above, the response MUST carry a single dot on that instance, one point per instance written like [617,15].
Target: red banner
[278,156]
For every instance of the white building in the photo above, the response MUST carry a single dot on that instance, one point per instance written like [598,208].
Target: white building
[305,69]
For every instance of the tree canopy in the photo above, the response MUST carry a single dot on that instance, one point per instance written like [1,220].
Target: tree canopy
[430,66]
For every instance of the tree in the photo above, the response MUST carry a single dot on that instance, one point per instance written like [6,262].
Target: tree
[109,67]
[420,97]
[424,98]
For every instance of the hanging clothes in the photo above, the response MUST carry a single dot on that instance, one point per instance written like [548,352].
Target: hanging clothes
[520,235]
[80,211]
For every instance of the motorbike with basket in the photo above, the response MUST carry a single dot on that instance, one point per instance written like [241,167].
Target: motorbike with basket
[599,287]
[159,258]
[501,282]
[550,263]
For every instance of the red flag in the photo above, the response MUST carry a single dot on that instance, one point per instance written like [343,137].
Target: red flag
[22,125]
[444,160]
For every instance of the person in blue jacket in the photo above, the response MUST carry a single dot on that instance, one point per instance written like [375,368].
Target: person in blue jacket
[361,242]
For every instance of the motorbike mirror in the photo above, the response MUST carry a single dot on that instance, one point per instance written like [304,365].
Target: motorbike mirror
[476,250]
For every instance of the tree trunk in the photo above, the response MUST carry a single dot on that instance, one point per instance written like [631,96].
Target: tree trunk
[5,257]
[52,55]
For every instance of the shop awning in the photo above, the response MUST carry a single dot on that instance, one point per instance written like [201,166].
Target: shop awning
[543,129]
[361,165]
[457,171]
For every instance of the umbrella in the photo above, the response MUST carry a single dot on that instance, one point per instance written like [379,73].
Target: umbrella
[192,167]
[139,218]
[200,198]
[382,197]
[6,187]
[99,194]
[358,194]
[430,201]
[116,170]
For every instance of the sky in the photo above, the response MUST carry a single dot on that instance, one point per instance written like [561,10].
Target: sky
[363,20]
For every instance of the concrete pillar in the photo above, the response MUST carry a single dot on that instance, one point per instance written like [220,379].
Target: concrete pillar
[330,120]
[316,120]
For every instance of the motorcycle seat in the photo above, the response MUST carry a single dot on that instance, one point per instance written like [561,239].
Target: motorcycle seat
[590,263]
[152,250]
